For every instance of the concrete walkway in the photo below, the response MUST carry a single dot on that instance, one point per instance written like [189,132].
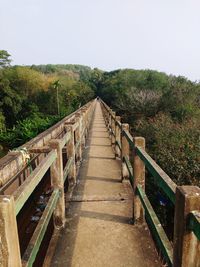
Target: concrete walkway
[98,232]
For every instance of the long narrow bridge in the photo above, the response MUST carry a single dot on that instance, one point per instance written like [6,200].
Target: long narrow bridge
[75,196]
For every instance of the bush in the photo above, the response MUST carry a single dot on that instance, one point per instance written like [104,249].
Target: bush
[26,129]
[174,146]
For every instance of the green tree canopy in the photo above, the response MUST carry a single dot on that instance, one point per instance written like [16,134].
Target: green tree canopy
[4,59]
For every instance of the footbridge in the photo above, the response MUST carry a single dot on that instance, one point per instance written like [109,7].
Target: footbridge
[75,196]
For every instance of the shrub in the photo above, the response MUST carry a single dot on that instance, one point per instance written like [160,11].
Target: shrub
[175,146]
[27,129]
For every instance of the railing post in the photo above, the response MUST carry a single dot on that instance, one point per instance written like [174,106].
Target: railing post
[9,240]
[117,137]
[125,151]
[83,128]
[105,112]
[113,119]
[186,249]
[106,117]
[78,136]
[139,178]
[57,181]
[110,122]
[86,122]
[71,154]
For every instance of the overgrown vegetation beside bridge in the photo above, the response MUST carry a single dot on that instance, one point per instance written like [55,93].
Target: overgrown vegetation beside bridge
[163,108]
[33,98]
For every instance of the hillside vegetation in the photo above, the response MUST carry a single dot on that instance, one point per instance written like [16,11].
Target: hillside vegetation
[32,98]
[165,110]
[162,108]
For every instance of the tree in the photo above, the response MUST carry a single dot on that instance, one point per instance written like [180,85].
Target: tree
[56,85]
[2,123]
[27,81]
[136,103]
[4,59]
[10,101]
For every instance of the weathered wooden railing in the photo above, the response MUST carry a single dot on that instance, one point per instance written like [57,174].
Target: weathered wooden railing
[185,250]
[47,150]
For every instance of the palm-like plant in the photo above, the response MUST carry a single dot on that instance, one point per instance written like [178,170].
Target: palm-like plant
[56,85]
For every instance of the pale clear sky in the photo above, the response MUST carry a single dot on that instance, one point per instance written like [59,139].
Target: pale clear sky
[157,34]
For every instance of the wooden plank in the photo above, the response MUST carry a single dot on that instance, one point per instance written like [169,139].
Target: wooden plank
[156,227]
[38,235]
[25,190]
[162,179]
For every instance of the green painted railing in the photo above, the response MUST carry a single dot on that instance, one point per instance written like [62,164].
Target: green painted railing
[194,223]
[26,189]
[133,155]
[156,227]
[36,240]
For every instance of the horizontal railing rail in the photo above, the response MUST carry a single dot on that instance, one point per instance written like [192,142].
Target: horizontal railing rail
[155,226]
[38,235]
[162,179]
[70,143]
[186,199]
[26,189]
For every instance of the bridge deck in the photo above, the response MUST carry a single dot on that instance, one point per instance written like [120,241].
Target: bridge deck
[98,230]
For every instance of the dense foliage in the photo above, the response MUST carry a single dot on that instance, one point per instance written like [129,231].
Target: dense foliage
[163,108]
[34,98]
[166,111]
